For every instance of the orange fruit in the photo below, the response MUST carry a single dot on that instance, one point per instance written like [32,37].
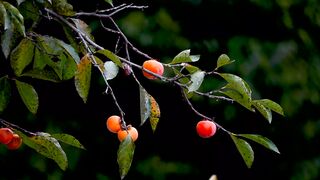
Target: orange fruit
[153,66]
[6,135]
[206,128]
[114,123]
[15,143]
[122,134]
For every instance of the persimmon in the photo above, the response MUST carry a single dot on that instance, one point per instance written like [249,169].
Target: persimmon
[206,128]
[153,66]
[122,134]
[15,143]
[114,123]
[6,135]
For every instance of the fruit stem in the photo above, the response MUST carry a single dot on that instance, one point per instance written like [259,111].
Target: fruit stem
[202,115]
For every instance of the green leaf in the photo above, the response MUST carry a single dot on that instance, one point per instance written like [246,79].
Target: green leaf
[28,95]
[125,155]
[237,89]
[184,57]
[196,79]
[110,55]
[5,93]
[192,69]
[41,59]
[145,108]
[223,60]
[266,112]
[110,70]
[22,56]
[63,57]
[20,1]
[154,113]
[8,39]
[236,96]
[13,27]
[30,11]
[67,66]
[236,83]
[46,145]
[16,18]
[4,17]
[271,105]
[244,149]
[261,140]
[45,74]
[15,13]
[109,1]
[62,7]
[83,78]
[53,149]
[68,139]
[70,50]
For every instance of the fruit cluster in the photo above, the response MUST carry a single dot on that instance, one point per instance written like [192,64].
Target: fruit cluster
[114,125]
[10,139]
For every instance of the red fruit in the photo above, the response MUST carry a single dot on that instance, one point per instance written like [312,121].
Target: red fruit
[206,128]
[15,143]
[153,66]
[6,135]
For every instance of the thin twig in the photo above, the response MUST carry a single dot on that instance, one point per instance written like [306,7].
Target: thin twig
[128,42]
[13,126]
[101,14]
[200,114]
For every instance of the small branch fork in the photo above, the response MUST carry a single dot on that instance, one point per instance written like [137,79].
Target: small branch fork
[88,43]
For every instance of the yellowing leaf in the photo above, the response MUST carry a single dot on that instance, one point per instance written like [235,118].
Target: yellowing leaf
[125,155]
[155,113]
[28,95]
[83,77]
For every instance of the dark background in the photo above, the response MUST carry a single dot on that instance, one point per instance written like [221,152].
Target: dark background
[275,45]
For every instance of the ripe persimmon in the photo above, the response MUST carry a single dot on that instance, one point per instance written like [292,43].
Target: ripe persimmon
[206,128]
[122,134]
[114,123]
[153,66]
[15,143]
[6,135]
